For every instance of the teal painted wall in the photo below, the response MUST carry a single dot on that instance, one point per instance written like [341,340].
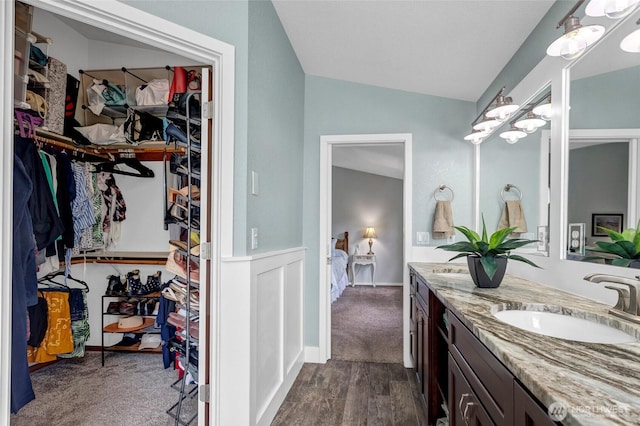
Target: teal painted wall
[275,132]
[269,116]
[440,155]
[606,101]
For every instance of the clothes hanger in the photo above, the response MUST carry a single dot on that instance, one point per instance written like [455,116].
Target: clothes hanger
[134,163]
[49,279]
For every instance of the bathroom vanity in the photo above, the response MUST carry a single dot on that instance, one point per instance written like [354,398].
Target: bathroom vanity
[481,370]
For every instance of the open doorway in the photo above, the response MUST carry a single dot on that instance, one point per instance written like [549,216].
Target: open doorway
[342,148]
[127,22]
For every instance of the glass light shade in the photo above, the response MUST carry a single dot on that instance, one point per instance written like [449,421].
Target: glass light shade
[512,136]
[543,111]
[487,125]
[503,109]
[529,124]
[631,43]
[614,9]
[370,233]
[576,40]
[476,137]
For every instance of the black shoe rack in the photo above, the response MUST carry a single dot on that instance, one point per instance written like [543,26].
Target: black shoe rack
[184,131]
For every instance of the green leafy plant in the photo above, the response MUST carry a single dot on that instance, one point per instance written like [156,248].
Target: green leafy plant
[624,246]
[488,249]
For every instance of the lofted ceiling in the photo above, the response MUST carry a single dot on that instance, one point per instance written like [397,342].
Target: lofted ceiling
[451,48]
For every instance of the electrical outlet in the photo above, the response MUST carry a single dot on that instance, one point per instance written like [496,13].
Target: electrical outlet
[254,238]
[451,239]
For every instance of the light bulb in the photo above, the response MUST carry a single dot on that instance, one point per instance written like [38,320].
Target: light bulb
[512,136]
[574,46]
[543,111]
[475,137]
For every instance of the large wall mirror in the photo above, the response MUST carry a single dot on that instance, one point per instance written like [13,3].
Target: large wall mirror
[518,171]
[604,129]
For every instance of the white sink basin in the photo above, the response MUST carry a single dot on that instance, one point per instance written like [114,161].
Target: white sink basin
[563,326]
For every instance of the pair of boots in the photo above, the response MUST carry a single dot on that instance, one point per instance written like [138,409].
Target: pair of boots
[133,285]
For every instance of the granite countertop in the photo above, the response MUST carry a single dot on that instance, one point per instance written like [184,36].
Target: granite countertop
[598,383]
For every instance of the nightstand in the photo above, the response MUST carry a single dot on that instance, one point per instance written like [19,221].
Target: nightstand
[363,260]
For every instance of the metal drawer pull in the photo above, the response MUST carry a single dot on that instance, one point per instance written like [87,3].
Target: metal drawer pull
[466,409]
[462,398]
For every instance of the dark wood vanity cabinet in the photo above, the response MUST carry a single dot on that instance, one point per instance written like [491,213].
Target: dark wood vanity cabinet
[453,368]
[429,347]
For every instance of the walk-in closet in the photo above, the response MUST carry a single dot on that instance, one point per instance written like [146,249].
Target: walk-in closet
[111,226]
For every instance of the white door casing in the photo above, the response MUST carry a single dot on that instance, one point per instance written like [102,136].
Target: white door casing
[113,16]
[326,144]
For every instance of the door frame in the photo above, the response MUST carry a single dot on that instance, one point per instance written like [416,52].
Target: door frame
[327,142]
[113,16]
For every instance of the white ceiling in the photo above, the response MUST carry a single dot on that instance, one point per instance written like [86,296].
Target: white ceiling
[384,160]
[452,48]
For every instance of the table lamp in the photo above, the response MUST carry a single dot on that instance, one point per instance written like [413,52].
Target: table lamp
[370,233]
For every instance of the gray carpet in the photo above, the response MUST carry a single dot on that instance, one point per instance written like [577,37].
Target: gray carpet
[131,389]
[366,325]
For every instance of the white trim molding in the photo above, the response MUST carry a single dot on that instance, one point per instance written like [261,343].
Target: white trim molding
[116,17]
[326,144]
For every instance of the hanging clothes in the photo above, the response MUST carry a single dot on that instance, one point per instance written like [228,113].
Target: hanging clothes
[114,210]
[59,337]
[46,223]
[80,330]
[24,285]
[82,210]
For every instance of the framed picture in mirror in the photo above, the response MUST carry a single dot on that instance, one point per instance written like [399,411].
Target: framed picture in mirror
[605,220]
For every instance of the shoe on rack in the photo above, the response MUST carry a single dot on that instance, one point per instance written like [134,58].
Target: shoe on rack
[133,282]
[128,307]
[173,132]
[153,284]
[113,308]
[182,245]
[141,308]
[177,264]
[178,106]
[151,306]
[115,287]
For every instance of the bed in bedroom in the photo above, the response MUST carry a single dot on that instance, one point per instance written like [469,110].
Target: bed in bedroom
[339,265]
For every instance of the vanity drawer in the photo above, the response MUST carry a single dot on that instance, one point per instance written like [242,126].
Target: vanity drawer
[422,294]
[489,379]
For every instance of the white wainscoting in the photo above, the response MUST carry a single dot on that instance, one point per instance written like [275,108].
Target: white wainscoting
[261,334]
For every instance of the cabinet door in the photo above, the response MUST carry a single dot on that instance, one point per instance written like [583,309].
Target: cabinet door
[464,407]
[413,329]
[527,411]
[421,352]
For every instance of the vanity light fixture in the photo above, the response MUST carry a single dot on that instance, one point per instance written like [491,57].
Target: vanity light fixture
[543,110]
[493,115]
[476,137]
[513,135]
[614,9]
[576,38]
[631,43]
[530,123]
[503,109]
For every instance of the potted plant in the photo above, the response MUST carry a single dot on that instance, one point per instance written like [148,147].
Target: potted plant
[487,256]
[623,250]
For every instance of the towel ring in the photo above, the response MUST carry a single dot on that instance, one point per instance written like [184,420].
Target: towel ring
[508,187]
[442,188]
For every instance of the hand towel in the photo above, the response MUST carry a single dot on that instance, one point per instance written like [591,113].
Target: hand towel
[443,220]
[513,215]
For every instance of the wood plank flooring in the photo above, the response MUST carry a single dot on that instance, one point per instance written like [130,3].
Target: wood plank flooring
[352,393]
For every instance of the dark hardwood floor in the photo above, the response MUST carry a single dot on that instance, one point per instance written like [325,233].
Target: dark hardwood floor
[352,393]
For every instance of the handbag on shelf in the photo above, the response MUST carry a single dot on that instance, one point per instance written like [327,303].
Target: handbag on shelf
[37,103]
[142,126]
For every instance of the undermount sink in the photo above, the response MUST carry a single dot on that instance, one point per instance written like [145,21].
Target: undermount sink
[562,326]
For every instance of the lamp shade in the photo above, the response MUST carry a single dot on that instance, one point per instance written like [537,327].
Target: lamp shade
[575,40]
[530,124]
[503,109]
[513,135]
[614,9]
[476,137]
[370,233]
[631,43]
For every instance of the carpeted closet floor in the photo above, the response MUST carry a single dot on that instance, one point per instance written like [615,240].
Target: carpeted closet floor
[366,325]
[131,389]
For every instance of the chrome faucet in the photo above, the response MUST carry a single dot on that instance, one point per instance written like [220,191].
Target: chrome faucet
[628,298]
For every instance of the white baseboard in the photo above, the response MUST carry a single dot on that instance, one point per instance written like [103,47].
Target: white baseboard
[312,355]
